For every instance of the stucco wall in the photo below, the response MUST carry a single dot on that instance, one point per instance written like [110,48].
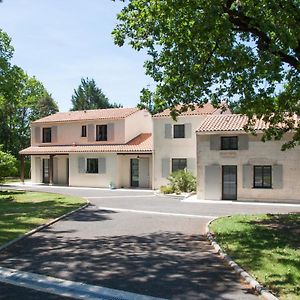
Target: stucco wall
[165,148]
[137,123]
[258,153]
[93,180]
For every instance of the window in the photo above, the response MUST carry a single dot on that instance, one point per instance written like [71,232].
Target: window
[92,165]
[229,143]
[262,177]
[46,135]
[101,133]
[178,164]
[178,131]
[83,130]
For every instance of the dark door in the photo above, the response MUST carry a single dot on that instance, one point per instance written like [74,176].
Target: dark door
[134,172]
[229,182]
[46,170]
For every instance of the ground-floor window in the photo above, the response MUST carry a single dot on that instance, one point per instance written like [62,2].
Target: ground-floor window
[92,165]
[178,164]
[262,177]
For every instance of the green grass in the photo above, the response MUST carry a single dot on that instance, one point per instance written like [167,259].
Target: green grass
[267,247]
[22,211]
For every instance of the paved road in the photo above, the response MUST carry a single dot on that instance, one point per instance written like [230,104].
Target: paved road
[143,244]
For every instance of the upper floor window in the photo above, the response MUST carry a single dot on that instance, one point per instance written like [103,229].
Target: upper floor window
[229,143]
[92,165]
[47,135]
[178,164]
[101,133]
[178,131]
[262,177]
[83,130]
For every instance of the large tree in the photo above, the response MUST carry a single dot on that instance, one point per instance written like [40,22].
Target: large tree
[89,96]
[243,51]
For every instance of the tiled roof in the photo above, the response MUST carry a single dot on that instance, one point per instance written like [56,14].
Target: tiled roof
[94,114]
[229,123]
[140,144]
[207,109]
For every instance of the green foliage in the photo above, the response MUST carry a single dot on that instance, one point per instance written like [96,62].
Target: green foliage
[45,106]
[89,96]
[167,189]
[7,165]
[209,50]
[182,181]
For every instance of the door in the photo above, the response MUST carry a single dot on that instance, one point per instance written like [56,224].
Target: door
[229,182]
[144,175]
[134,172]
[46,163]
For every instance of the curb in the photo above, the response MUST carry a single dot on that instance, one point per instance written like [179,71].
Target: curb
[41,227]
[265,293]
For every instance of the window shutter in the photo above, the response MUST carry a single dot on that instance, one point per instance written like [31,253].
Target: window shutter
[215,142]
[243,142]
[91,132]
[81,165]
[54,134]
[247,176]
[191,164]
[110,132]
[165,166]
[188,130]
[168,131]
[277,177]
[37,134]
[102,165]
[213,182]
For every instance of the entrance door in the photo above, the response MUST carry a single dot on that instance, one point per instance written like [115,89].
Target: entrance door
[134,172]
[46,163]
[229,182]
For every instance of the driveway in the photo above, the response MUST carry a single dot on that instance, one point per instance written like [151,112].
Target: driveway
[137,242]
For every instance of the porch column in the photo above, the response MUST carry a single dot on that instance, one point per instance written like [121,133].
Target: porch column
[51,170]
[22,175]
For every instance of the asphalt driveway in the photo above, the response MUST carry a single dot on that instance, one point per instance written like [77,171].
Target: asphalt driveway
[137,242]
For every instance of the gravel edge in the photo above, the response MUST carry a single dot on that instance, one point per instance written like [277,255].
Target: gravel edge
[265,293]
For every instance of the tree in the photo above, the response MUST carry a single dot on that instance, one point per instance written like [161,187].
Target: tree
[246,52]
[7,165]
[89,96]
[45,106]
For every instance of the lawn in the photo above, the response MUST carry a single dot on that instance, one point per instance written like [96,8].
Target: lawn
[22,211]
[267,247]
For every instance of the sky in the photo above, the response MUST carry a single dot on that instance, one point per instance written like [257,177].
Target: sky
[61,41]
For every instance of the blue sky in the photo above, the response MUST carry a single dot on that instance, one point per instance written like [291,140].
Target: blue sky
[60,41]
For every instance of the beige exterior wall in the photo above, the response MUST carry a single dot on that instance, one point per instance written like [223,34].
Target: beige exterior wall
[258,153]
[137,123]
[168,148]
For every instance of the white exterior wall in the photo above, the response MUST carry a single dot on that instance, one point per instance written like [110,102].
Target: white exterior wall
[164,148]
[258,153]
[93,180]
[137,123]
[36,169]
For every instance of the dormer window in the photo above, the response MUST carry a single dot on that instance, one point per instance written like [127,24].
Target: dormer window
[101,133]
[47,135]
[83,131]
[229,143]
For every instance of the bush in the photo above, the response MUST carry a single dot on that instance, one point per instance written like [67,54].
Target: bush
[167,189]
[7,165]
[182,181]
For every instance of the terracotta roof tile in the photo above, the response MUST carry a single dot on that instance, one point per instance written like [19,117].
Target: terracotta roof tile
[140,144]
[207,109]
[229,123]
[95,114]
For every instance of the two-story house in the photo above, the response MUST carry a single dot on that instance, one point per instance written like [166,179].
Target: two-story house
[174,142]
[96,148]
[232,164]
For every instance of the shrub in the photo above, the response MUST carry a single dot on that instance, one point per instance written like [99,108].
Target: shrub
[166,189]
[7,165]
[182,181]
